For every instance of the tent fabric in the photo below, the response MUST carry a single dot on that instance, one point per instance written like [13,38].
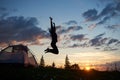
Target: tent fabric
[18,54]
[12,58]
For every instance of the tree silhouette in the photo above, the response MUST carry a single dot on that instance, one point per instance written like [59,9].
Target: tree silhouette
[53,65]
[115,66]
[42,62]
[67,63]
[75,67]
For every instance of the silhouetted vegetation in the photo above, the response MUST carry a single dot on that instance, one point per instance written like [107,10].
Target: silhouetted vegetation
[53,65]
[67,63]
[46,72]
[75,66]
[50,73]
[42,62]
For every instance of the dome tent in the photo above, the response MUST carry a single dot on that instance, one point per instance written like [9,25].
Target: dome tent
[17,55]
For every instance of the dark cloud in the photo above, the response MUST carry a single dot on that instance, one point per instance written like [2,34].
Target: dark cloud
[110,11]
[79,37]
[100,35]
[2,9]
[90,15]
[4,12]
[118,6]
[74,45]
[118,43]
[104,40]
[104,20]
[111,41]
[78,28]
[71,22]
[113,27]
[83,45]
[104,43]
[117,1]
[95,42]
[58,27]
[110,49]
[61,30]
[20,29]
[98,40]
[74,28]
[97,48]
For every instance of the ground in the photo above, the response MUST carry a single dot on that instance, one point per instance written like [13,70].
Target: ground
[55,74]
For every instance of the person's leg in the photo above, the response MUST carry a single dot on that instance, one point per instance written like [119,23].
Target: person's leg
[54,50]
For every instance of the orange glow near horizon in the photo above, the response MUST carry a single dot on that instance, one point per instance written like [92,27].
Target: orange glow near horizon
[87,68]
[83,57]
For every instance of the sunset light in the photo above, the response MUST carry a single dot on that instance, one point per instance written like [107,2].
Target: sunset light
[87,31]
[80,35]
[87,68]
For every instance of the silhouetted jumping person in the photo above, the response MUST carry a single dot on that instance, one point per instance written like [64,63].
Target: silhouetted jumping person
[53,34]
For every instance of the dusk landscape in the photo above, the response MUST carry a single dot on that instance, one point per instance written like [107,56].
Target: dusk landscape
[63,39]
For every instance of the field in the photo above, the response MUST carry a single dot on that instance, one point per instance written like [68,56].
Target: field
[12,73]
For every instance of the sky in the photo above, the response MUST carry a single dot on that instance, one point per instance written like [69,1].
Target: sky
[88,30]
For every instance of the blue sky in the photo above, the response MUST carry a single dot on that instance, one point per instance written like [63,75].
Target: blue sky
[88,30]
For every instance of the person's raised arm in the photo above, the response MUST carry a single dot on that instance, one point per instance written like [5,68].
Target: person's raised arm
[51,23]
